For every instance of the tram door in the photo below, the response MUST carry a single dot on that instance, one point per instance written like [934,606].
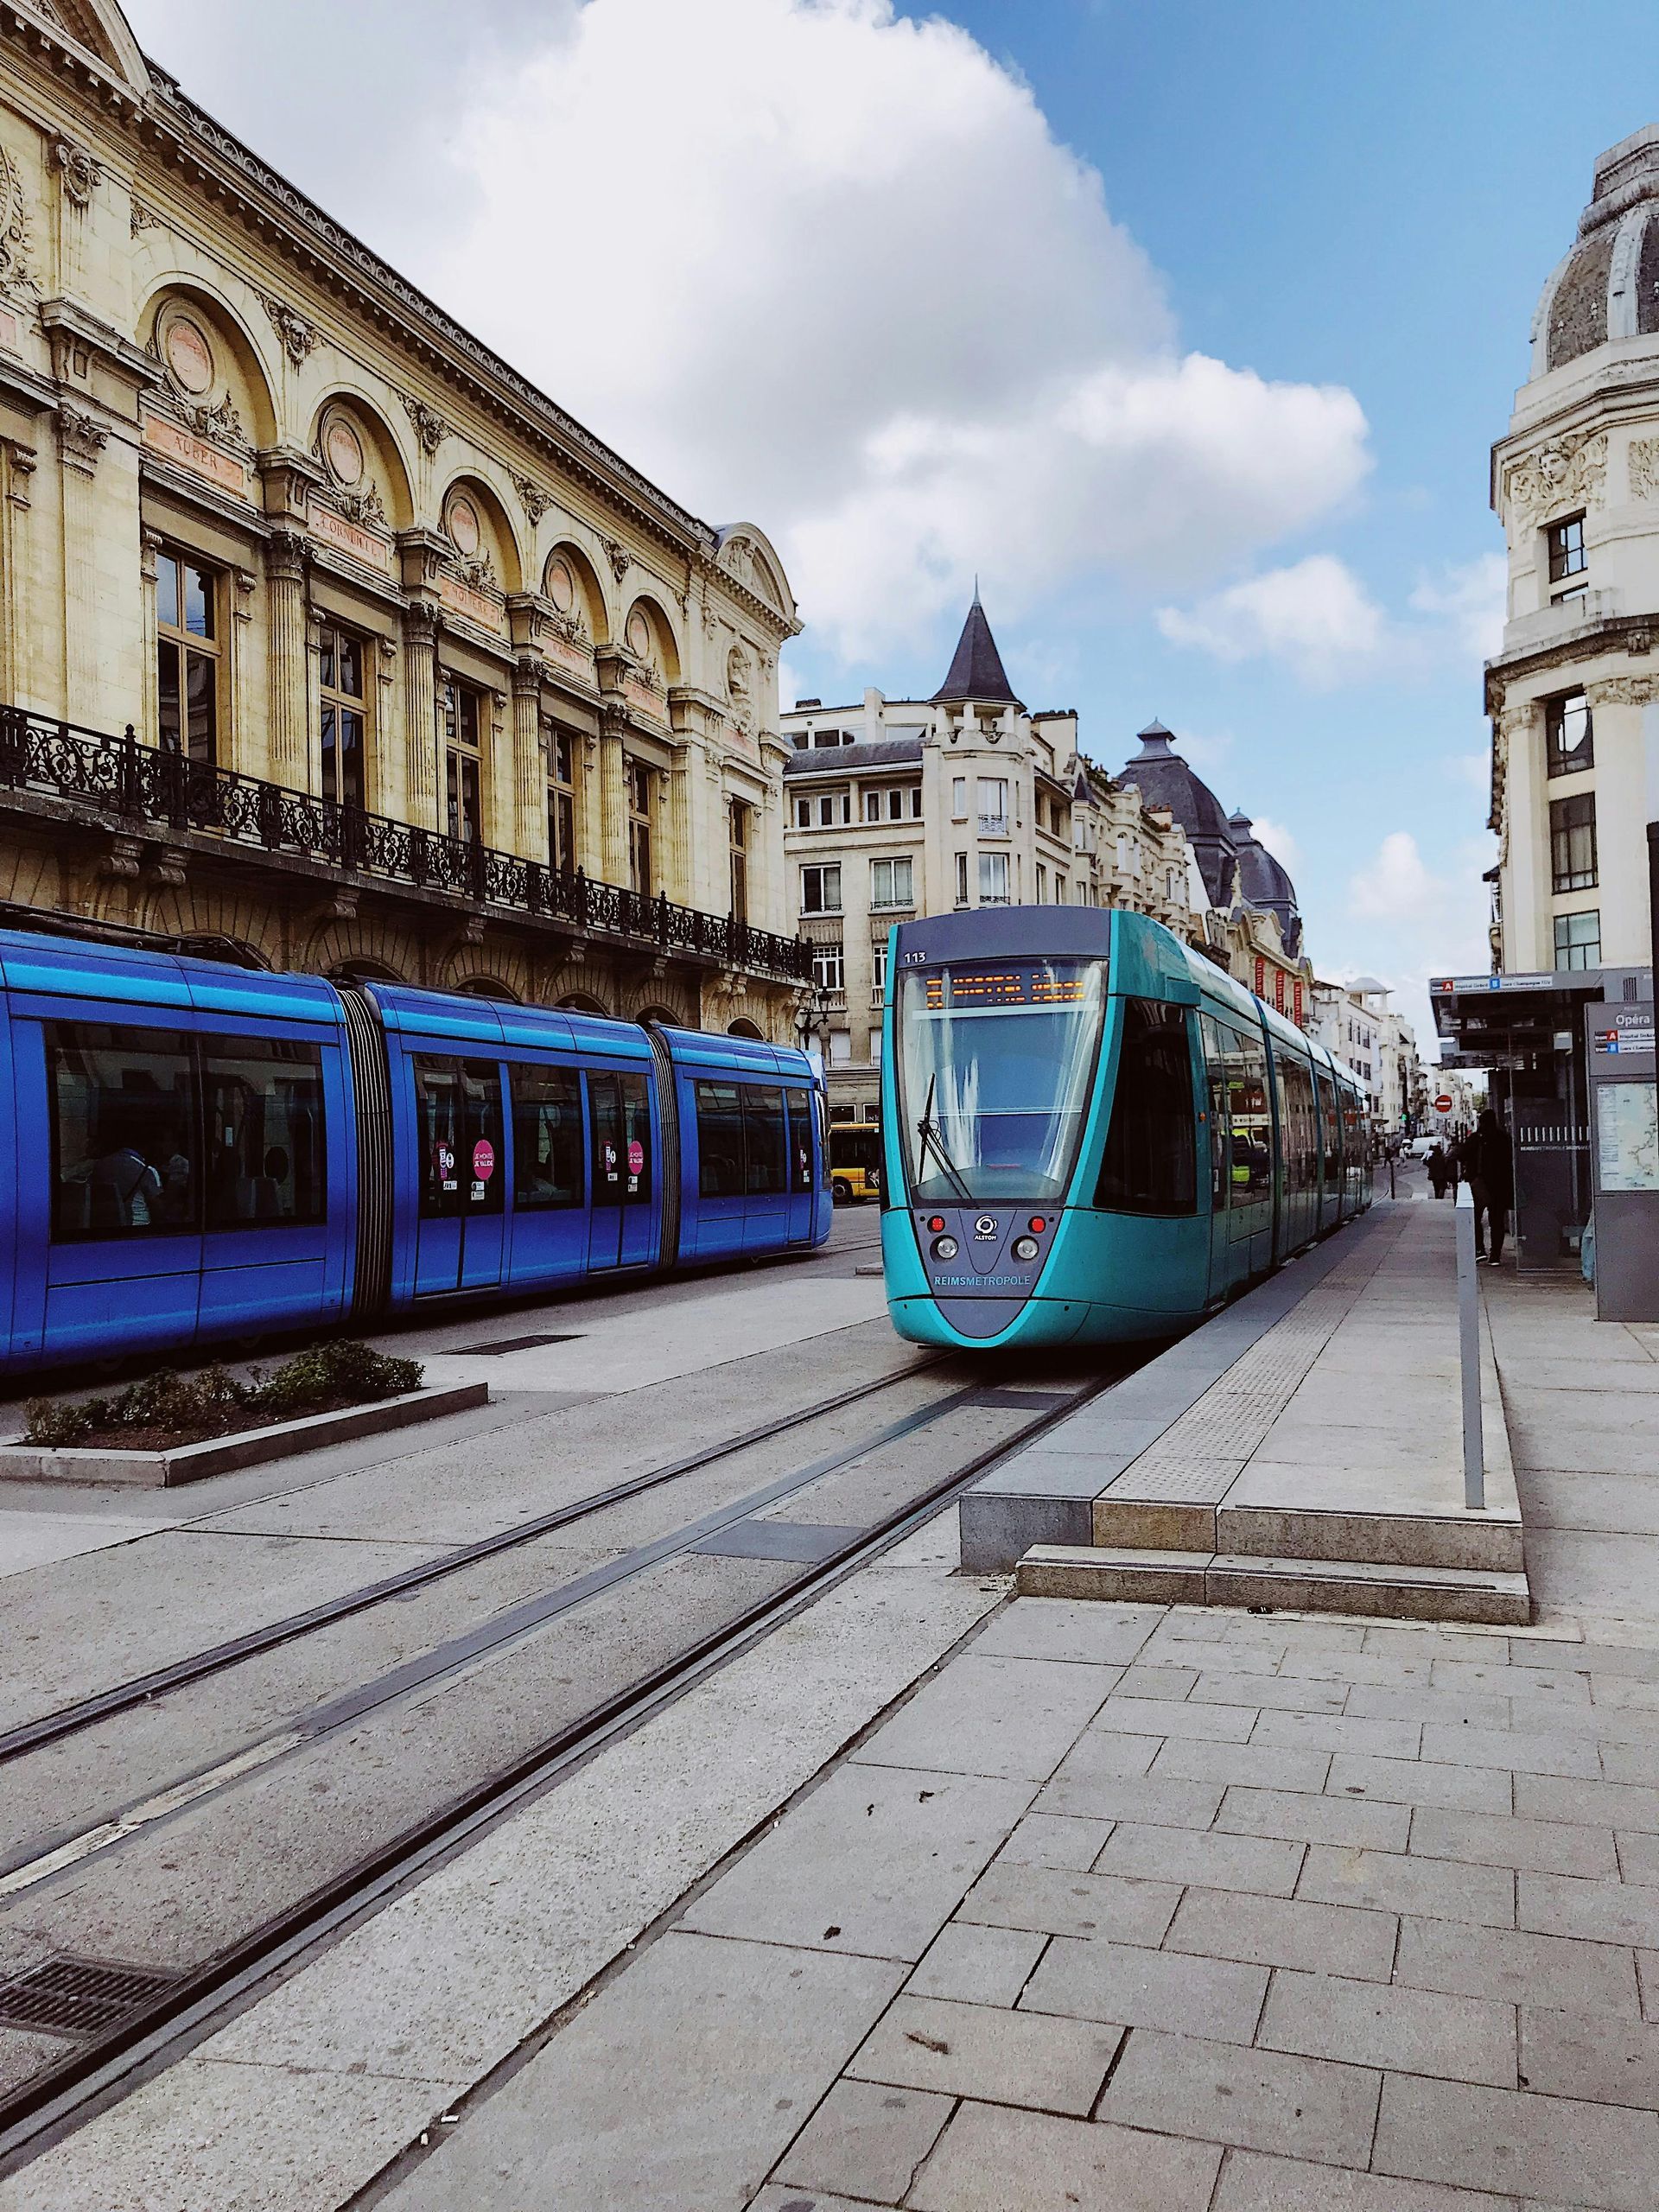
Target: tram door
[457,1112]
[620,1231]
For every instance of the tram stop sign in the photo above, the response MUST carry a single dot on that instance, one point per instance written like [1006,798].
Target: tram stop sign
[1443,1104]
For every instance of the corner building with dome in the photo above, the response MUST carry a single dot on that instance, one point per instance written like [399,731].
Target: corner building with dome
[325,636]
[1573,694]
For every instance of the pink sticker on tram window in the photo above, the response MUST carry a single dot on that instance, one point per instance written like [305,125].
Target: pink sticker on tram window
[636,1157]
[483,1159]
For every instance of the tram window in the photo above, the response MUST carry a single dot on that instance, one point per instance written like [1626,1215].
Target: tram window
[457,1118]
[765,1145]
[546,1137]
[264,1132]
[1249,1115]
[799,1106]
[720,1140]
[1300,1133]
[1216,1066]
[1150,1164]
[636,1140]
[125,1131]
[1331,1120]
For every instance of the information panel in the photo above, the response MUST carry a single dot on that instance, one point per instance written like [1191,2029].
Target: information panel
[1627,1136]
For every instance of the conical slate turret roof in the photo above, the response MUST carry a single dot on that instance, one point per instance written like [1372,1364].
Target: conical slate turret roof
[975,671]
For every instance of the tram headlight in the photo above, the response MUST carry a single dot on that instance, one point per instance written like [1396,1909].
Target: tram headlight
[946,1248]
[1024,1247]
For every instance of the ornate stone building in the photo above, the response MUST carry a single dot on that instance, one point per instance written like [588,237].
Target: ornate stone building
[906,807]
[1573,694]
[1245,911]
[322,630]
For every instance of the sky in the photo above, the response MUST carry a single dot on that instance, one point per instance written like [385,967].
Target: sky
[1185,327]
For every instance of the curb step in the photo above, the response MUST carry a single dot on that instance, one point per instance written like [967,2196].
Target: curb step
[1489,1543]
[1326,1585]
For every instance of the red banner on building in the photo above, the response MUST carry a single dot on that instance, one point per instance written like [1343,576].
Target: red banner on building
[1260,976]
[1279,989]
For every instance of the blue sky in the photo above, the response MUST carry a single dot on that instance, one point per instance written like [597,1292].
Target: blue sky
[1083,295]
[1370,196]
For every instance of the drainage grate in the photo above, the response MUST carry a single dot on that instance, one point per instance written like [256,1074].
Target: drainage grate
[78,1996]
[516,1343]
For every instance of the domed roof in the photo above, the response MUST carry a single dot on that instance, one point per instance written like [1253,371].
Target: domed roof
[1163,779]
[1265,882]
[1608,286]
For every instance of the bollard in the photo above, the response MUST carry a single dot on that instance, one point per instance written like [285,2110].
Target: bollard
[1474,1452]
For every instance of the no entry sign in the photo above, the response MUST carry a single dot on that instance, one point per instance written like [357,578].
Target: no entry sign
[1442,1104]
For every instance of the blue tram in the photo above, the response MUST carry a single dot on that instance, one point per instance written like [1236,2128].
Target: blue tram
[194,1153]
[1092,1134]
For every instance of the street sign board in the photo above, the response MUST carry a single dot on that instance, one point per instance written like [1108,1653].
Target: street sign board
[1444,986]
[1443,1104]
[1630,1030]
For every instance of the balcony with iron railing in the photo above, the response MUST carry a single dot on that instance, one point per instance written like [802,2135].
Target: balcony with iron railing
[128,785]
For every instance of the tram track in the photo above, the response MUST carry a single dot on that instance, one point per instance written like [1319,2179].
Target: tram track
[87,2078]
[142,1689]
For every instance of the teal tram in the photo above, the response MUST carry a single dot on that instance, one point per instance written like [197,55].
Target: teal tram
[1092,1134]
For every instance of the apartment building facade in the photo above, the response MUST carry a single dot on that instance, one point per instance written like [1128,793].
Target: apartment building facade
[897,808]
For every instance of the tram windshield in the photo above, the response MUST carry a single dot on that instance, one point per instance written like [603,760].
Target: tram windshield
[996,1060]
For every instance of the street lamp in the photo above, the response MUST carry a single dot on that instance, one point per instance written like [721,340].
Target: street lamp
[813,1019]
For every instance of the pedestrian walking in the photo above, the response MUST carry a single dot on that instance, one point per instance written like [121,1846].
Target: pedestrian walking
[1440,1169]
[1488,1162]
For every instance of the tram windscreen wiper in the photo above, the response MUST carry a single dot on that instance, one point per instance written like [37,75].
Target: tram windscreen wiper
[928,1131]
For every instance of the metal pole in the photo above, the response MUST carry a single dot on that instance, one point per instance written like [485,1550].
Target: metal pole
[1474,1450]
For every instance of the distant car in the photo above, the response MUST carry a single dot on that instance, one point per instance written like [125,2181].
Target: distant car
[1420,1148]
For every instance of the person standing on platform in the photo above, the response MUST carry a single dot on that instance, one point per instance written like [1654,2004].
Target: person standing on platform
[1439,1170]
[1488,1160]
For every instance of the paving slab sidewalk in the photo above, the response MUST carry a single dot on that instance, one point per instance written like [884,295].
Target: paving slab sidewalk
[1281,1911]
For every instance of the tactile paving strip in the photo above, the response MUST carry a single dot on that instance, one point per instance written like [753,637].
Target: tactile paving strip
[1217,1435]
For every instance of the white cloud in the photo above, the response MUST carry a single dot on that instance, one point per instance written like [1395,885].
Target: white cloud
[1470,601]
[1315,615]
[1318,619]
[1407,919]
[1278,841]
[811,261]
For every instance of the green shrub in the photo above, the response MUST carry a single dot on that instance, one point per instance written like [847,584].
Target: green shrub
[61,1427]
[333,1371]
[213,1402]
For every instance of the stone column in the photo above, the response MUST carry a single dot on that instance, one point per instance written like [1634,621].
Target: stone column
[82,439]
[16,660]
[288,737]
[421,715]
[612,827]
[383,783]
[529,765]
[677,877]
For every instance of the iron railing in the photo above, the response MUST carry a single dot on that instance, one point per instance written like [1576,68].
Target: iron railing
[136,783]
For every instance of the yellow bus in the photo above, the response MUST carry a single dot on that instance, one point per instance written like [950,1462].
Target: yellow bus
[854,1162]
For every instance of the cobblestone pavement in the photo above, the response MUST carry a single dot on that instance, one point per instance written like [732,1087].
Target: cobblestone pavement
[1136,1908]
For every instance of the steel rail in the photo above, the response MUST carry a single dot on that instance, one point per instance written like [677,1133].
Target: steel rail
[54,2103]
[70,1719]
